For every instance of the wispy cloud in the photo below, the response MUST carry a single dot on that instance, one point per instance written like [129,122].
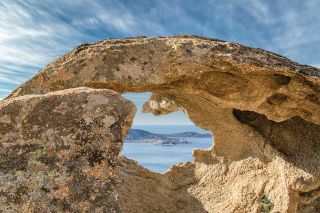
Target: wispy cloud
[33,33]
[4,90]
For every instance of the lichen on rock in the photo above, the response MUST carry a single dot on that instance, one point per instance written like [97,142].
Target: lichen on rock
[262,108]
[58,154]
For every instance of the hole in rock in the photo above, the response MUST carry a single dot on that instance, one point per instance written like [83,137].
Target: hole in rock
[159,142]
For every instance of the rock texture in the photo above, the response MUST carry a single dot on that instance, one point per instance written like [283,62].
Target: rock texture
[59,150]
[263,110]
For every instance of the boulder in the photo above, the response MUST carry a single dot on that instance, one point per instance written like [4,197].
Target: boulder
[59,150]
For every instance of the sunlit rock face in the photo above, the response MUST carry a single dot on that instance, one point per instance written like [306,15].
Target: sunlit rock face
[263,110]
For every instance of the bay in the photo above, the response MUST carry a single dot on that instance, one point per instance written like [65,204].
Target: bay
[159,158]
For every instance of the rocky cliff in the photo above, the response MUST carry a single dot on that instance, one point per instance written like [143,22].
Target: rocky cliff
[263,110]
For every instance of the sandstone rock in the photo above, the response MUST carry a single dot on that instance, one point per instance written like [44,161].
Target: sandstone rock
[59,150]
[263,110]
[236,76]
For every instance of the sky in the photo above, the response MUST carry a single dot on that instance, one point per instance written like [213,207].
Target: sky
[33,32]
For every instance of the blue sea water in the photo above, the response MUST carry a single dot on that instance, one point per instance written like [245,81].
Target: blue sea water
[160,158]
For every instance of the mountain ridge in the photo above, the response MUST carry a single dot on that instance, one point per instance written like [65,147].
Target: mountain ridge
[144,136]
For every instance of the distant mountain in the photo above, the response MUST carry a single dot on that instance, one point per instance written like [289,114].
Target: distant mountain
[189,135]
[136,134]
[143,136]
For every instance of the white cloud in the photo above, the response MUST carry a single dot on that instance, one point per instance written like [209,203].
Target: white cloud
[260,10]
[33,33]
[4,90]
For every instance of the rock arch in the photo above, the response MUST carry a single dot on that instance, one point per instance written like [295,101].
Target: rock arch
[263,109]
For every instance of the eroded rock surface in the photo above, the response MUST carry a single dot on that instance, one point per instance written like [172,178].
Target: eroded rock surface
[263,110]
[58,151]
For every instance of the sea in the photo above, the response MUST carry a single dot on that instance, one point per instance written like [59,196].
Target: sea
[159,158]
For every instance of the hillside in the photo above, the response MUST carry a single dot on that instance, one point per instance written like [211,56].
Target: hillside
[143,136]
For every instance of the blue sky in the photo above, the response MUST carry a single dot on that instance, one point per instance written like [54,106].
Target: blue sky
[33,33]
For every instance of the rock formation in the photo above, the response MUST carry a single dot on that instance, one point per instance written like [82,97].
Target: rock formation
[59,150]
[263,110]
